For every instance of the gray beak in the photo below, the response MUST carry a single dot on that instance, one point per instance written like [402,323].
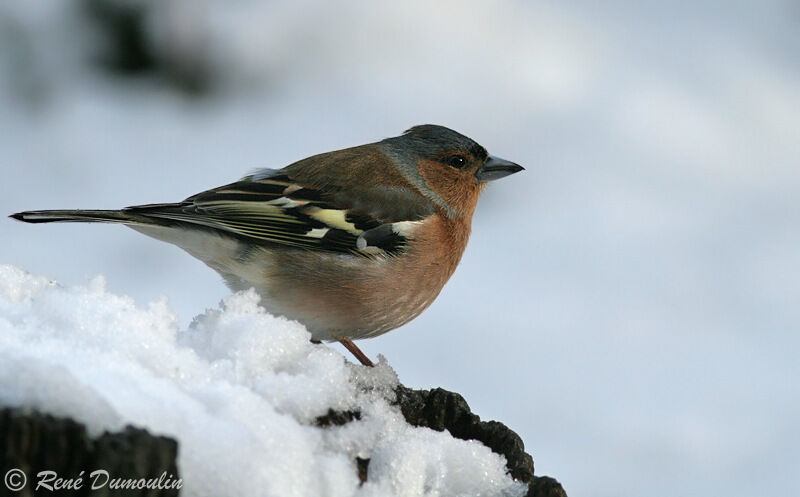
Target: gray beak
[496,168]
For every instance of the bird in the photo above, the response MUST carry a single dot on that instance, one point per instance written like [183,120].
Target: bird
[351,243]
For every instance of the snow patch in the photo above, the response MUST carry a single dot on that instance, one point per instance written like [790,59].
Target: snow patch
[239,389]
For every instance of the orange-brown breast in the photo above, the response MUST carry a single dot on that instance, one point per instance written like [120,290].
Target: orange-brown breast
[338,296]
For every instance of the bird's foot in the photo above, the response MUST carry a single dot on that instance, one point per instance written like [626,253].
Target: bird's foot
[362,357]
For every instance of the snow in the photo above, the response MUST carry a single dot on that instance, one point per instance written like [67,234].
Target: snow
[239,389]
[639,280]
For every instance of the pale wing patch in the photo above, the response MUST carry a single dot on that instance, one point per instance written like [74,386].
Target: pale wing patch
[406,228]
[287,203]
[291,189]
[318,232]
[335,218]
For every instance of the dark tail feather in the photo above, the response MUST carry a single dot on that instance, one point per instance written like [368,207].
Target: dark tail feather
[81,216]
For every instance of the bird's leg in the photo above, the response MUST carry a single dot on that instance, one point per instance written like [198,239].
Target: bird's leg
[349,345]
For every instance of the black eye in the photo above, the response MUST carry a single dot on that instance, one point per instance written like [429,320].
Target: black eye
[456,161]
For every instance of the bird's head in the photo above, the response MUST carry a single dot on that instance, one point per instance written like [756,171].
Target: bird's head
[446,166]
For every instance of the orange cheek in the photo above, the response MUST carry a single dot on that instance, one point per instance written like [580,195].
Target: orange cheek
[459,188]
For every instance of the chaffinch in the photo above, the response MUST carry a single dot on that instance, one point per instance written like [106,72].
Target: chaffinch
[351,243]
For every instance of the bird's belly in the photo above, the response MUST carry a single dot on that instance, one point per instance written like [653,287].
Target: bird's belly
[335,295]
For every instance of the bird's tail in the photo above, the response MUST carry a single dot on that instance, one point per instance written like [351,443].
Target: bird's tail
[80,216]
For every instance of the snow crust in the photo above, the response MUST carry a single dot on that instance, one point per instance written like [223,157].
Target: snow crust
[239,389]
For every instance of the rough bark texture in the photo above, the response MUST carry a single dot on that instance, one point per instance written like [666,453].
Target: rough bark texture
[337,418]
[34,442]
[440,410]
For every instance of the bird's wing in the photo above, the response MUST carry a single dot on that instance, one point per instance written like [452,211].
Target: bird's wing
[277,210]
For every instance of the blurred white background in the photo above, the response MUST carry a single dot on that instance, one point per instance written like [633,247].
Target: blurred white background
[628,305]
